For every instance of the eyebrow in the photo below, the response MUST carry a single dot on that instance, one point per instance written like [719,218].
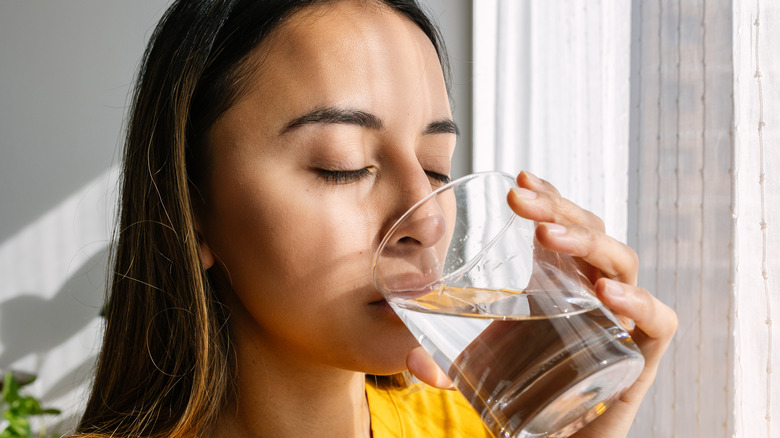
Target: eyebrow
[331,115]
[444,126]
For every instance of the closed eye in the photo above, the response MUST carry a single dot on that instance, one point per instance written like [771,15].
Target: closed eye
[343,176]
[438,178]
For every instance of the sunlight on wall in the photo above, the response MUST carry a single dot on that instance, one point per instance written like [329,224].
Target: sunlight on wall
[53,275]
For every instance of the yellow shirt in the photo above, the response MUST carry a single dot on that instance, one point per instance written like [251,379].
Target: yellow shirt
[421,411]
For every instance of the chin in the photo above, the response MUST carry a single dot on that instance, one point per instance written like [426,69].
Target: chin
[386,355]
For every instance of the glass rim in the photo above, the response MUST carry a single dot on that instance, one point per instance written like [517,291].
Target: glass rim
[423,200]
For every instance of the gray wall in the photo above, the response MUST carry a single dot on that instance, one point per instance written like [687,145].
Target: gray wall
[65,74]
[455,21]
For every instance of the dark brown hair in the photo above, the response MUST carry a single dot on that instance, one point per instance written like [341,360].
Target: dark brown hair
[166,367]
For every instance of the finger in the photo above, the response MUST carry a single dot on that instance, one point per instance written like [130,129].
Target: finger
[566,227]
[655,322]
[613,258]
[538,200]
[422,365]
[531,181]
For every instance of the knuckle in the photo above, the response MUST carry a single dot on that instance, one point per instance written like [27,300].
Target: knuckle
[587,234]
[595,221]
[545,184]
[557,204]
[573,213]
[632,257]
[551,188]
[673,321]
[593,239]
[629,263]
[568,211]
[589,240]
[647,303]
[662,313]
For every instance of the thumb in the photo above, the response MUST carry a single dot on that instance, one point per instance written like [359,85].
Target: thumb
[422,365]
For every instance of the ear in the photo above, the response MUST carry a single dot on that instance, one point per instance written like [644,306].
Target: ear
[198,206]
[206,256]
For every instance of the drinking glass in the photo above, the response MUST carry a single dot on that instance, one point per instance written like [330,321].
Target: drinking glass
[516,327]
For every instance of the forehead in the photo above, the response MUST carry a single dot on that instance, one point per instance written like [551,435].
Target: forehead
[342,27]
[361,51]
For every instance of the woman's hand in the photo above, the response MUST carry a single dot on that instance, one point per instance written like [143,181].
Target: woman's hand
[613,267]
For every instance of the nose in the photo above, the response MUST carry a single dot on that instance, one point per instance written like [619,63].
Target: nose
[424,222]
[413,253]
[424,226]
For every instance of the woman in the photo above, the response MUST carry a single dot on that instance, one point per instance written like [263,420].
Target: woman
[271,145]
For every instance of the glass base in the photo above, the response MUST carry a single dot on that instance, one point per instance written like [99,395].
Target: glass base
[583,402]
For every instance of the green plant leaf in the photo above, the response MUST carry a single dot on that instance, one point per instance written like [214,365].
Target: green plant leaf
[10,388]
[16,408]
[19,427]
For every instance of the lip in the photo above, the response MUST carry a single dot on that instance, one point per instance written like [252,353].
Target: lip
[378,300]
[382,306]
[411,284]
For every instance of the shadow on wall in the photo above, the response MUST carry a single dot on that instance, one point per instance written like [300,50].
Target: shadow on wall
[82,374]
[32,325]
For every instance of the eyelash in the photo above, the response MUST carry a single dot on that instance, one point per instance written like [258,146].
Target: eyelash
[343,176]
[438,177]
[348,176]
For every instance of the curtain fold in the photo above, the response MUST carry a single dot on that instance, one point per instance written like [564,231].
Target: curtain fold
[551,95]
[662,118]
[681,159]
[756,215]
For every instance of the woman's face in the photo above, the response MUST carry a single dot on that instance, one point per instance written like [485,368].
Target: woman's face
[344,125]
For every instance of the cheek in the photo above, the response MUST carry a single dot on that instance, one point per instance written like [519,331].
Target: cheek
[295,244]
[321,234]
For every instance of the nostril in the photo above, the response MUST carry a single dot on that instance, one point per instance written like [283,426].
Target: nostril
[424,228]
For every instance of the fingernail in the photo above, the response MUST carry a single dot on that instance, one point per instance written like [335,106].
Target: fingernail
[444,382]
[533,178]
[524,193]
[557,229]
[613,289]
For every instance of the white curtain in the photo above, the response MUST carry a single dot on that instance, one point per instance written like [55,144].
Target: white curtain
[549,97]
[681,150]
[756,216]
[662,118]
